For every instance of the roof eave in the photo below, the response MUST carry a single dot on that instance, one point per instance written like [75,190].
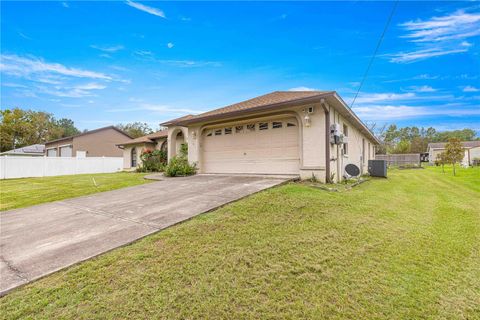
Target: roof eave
[236,113]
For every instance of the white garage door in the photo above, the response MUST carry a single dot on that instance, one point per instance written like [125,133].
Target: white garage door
[268,147]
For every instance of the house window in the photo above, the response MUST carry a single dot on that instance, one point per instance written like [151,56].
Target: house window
[251,127]
[276,125]
[290,124]
[133,154]
[238,129]
[52,152]
[263,126]
[218,132]
[345,145]
[228,130]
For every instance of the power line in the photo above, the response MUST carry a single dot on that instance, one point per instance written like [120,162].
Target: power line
[376,50]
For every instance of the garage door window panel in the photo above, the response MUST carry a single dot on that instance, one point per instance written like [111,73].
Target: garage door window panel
[263,126]
[277,125]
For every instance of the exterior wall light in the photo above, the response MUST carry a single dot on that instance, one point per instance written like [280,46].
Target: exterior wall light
[307,120]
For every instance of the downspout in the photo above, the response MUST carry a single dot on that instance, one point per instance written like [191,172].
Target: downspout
[327,140]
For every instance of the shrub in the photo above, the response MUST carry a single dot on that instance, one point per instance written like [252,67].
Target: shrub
[152,160]
[178,166]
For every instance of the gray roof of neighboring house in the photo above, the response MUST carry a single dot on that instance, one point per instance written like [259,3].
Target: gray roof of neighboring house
[34,149]
[465,144]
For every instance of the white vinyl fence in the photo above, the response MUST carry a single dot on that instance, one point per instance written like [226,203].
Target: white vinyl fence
[24,167]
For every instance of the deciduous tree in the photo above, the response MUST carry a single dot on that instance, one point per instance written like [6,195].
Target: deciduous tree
[135,129]
[454,152]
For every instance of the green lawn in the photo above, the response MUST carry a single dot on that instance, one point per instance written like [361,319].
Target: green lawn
[17,193]
[407,247]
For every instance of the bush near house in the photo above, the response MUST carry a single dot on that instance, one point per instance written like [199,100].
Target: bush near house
[153,160]
[178,166]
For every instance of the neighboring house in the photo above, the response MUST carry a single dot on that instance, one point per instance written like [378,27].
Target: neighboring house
[283,132]
[94,143]
[35,150]
[132,149]
[471,149]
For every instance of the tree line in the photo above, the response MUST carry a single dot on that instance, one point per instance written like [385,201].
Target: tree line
[414,139]
[20,128]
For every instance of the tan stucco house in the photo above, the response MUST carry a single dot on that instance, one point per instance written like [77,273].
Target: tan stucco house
[471,151]
[100,142]
[302,133]
[132,149]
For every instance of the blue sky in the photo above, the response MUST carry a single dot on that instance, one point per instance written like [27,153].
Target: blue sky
[102,63]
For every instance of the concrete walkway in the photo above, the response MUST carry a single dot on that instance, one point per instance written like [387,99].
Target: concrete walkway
[42,239]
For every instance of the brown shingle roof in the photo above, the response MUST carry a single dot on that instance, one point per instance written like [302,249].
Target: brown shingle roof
[465,144]
[270,99]
[149,138]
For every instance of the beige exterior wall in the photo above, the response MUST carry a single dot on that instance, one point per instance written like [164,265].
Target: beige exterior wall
[100,144]
[356,151]
[311,141]
[96,144]
[474,154]
[466,161]
[127,151]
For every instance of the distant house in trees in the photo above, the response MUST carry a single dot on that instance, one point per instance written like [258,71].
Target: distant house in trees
[471,148]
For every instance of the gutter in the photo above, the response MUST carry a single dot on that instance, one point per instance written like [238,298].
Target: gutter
[327,140]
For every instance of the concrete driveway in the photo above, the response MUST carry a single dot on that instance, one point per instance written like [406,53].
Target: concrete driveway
[42,239]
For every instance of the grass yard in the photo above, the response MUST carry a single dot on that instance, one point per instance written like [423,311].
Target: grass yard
[18,193]
[403,248]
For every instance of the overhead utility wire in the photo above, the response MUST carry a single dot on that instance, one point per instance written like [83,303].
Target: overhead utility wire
[376,50]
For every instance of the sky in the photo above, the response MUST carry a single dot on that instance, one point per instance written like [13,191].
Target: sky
[104,63]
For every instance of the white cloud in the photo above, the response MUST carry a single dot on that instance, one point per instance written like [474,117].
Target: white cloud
[151,10]
[470,89]
[65,4]
[53,78]
[170,45]
[457,25]
[414,56]
[23,35]
[423,89]
[157,109]
[378,97]
[75,91]
[425,76]
[13,85]
[150,56]
[109,49]
[302,89]
[23,66]
[438,36]
[390,112]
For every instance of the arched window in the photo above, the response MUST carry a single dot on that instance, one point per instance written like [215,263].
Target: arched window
[164,146]
[134,157]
